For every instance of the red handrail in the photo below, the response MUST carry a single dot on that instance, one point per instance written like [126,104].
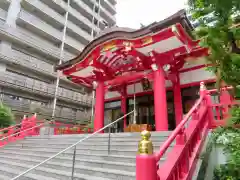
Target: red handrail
[15,133]
[177,130]
[222,89]
[181,161]
[8,128]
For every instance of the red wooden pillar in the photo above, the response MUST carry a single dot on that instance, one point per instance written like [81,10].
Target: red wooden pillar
[160,100]
[99,106]
[177,100]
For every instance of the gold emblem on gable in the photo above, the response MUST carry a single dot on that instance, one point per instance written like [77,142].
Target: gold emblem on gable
[147,40]
[127,44]
[109,46]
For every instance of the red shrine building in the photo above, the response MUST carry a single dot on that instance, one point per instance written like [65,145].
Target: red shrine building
[159,67]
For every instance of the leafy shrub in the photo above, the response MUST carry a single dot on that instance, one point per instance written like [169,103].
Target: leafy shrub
[235,116]
[89,126]
[6,116]
[229,138]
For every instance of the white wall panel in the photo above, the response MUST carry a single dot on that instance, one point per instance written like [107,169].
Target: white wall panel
[195,62]
[196,76]
[138,88]
[111,94]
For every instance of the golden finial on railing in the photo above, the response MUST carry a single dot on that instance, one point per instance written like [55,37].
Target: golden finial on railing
[145,146]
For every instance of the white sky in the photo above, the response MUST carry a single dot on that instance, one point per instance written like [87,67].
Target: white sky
[130,13]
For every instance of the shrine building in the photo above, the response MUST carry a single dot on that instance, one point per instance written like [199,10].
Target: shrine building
[155,70]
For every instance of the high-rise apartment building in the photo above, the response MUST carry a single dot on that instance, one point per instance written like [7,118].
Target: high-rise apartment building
[31,35]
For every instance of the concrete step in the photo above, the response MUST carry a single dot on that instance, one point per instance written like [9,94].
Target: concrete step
[129,152]
[87,142]
[113,146]
[8,173]
[31,160]
[103,135]
[113,151]
[92,159]
[81,172]
[94,140]
[3,177]
[99,157]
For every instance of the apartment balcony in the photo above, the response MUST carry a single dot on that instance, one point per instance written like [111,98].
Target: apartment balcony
[109,7]
[103,12]
[28,62]
[3,14]
[24,106]
[113,2]
[77,17]
[38,26]
[26,38]
[4,4]
[108,17]
[40,88]
[87,11]
[33,62]
[57,20]
[106,14]
[74,97]
[26,84]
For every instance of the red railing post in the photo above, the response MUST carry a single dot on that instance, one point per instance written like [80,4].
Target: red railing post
[195,117]
[10,132]
[1,141]
[207,98]
[210,111]
[146,162]
[181,140]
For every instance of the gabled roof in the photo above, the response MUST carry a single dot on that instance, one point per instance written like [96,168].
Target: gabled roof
[120,55]
[179,17]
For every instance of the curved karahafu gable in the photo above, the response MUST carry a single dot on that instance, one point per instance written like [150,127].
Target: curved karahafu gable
[126,33]
[120,55]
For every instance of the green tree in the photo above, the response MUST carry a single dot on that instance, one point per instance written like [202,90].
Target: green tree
[220,36]
[219,33]
[6,116]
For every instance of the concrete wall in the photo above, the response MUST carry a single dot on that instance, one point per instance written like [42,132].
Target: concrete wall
[217,157]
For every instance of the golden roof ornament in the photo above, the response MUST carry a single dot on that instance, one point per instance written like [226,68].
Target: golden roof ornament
[145,146]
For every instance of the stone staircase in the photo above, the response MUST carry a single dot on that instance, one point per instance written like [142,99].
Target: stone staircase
[92,159]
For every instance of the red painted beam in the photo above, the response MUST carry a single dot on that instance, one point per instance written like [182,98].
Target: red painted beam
[107,71]
[150,92]
[127,78]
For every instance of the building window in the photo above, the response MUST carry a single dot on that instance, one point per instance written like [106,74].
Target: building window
[95,21]
[94,33]
[105,24]
[96,9]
